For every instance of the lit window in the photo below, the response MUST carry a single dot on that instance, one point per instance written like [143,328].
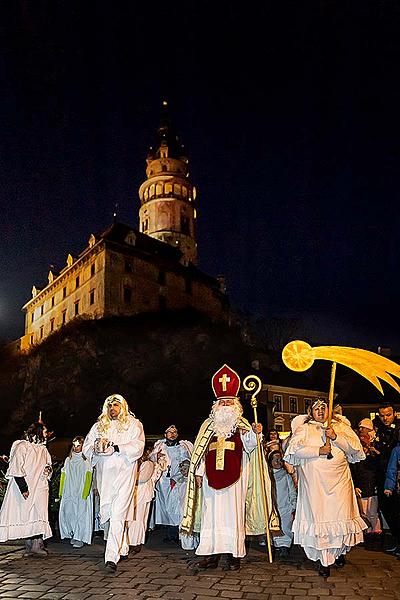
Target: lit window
[168,189]
[293,404]
[278,402]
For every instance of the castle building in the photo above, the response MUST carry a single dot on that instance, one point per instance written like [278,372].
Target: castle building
[123,271]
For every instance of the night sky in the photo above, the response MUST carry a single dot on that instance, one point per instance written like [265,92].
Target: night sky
[290,116]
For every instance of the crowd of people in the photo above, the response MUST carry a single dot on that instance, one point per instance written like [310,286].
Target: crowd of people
[326,488]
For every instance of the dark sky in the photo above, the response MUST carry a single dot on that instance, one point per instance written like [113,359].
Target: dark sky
[289,113]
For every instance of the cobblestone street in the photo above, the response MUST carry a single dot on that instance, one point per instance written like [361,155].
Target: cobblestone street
[162,571]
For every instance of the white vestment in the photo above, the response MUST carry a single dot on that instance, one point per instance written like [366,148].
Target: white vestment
[174,456]
[76,514]
[20,517]
[222,528]
[327,522]
[176,504]
[115,479]
[286,497]
[149,473]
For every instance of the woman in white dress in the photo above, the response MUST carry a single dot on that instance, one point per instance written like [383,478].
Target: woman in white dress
[24,512]
[76,507]
[327,522]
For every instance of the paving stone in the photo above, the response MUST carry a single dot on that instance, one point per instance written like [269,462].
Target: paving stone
[231,594]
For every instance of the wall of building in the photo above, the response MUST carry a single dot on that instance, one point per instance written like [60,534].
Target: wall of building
[63,300]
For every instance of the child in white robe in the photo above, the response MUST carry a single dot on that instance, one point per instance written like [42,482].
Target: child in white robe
[149,473]
[24,512]
[76,507]
[286,497]
[177,502]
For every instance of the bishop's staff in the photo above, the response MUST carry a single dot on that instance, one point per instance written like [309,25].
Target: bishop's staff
[253,384]
[300,356]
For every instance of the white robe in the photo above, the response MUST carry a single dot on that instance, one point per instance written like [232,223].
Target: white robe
[115,480]
[222,528]
[174,456]
[20,517]
[149,473]
[286,497]
[176,503]
[76,514]
[327,522]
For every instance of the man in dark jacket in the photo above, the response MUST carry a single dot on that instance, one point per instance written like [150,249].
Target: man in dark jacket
[388,427]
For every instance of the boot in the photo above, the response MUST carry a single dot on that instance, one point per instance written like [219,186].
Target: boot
[38,547]
[377,542]
[232,563]
[324,571]
[209,562]
[28,547]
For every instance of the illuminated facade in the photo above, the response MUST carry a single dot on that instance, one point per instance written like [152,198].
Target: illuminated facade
[126,272]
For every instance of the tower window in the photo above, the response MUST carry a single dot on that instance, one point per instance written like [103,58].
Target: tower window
[185,224]
[162,278]
[33,316]
[76,308]
[92,269]
[64,292]
[63,317]
[91,297]
[168,189]
[42,310]
[77,282]
[41,332]
[52,324]
[145,225]
[52,301]
[127,295]
[31,340]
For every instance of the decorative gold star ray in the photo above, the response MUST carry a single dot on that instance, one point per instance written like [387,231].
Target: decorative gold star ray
[300,356]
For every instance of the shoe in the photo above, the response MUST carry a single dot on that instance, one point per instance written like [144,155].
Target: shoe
[392,549]
[77,544]
[340,561]
[234,563]
[284,552]
[262,543]
[111,567]
[28,548]
[209,562]
[124,557]
[136,549]
[324,571]
[38,548]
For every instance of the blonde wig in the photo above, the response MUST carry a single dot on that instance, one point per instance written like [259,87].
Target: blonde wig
[124,417]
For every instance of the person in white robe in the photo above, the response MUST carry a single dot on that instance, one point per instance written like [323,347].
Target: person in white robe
[76,507]
[286,498]
[149,473]
[175,451]
[177,502]
[219,499]
[113,446]
[24,512]
[327,522]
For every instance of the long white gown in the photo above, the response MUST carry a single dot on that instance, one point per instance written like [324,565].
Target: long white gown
[76,514]
[174,456]
[20,517]
[327,522]
[115,479]
[149,473]
[223,511]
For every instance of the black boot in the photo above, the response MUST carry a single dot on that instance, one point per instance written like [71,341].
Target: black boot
[324,571]
[340,561]
[232,563]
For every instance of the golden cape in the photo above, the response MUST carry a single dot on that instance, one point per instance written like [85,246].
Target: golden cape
[255,517]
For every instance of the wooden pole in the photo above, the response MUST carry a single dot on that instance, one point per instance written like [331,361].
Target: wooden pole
[330,401]
[250,385]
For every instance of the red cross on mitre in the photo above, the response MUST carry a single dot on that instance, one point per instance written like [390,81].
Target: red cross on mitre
[225,383]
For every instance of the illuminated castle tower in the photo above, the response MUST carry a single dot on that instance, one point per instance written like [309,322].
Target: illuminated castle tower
[167,197]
